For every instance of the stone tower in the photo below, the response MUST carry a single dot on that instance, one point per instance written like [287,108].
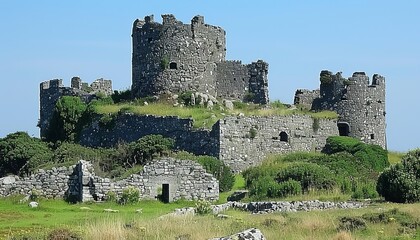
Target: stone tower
[359,103]
[173,57]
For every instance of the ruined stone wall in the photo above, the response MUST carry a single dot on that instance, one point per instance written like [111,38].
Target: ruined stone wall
[187,179]
[232,80]
[173,57]
[130,127]
[305,97]
[359,103]
[237,81]
[246,141]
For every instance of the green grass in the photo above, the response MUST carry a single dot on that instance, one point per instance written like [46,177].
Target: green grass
[395,157]
[20,220]
[239,184]
[205,118]
[15,216]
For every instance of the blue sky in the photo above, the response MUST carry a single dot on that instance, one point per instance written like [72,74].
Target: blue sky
[42,40]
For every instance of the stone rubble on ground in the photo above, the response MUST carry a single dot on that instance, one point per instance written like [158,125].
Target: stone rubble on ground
[249,234]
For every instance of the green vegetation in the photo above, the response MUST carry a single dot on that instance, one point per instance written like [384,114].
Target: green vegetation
[401,182]
[21,154]
[67,120]
[348,166]
[204,117]
[130,195]
[395,157]
[325,77]
[149,147]
[90,221]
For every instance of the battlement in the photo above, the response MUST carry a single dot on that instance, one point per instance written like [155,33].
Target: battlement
[51,84]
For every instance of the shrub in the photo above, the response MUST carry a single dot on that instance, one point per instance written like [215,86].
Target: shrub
[401,182]
[130,195]
[146,148]
[310,175]
[363,190]
[67,120]
[351,223]
[62,234]
[21,154]
[287,188]
[111,196]
[121,96]
[263,187]
[203,207]
[370,156]
[186,98]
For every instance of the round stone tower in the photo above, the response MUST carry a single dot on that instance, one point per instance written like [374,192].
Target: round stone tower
[173,57]
[359,103]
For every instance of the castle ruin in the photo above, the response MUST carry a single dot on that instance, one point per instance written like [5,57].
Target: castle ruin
[171,57]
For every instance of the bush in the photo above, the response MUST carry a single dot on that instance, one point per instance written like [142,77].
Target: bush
[203,207]
[148,147]
[288,188]
[364,190]
[22,154]
[62,234]
[401,182]
[111,196]
[310,175]
[67,120]
[121,96]
[130,195]
[370,156]
[351,223]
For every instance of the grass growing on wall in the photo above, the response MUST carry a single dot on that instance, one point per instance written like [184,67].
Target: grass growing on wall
[205,118]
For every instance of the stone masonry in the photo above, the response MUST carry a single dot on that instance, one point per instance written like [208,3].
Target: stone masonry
[359,103]
[184,179]
[173,57]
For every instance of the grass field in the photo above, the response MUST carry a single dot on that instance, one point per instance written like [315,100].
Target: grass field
[89,221]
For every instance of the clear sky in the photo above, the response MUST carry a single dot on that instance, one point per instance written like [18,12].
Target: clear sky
[42,40]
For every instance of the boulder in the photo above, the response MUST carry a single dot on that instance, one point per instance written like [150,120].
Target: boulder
[238,195]
[33,204]
[228,104]
[7,180]
[249,234]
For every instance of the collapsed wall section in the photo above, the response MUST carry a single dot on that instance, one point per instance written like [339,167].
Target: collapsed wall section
[246,141]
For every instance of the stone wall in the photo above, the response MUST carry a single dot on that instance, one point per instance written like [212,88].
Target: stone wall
[185,179]
[305,97]
[129,127]
[237,81]
[246,141]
